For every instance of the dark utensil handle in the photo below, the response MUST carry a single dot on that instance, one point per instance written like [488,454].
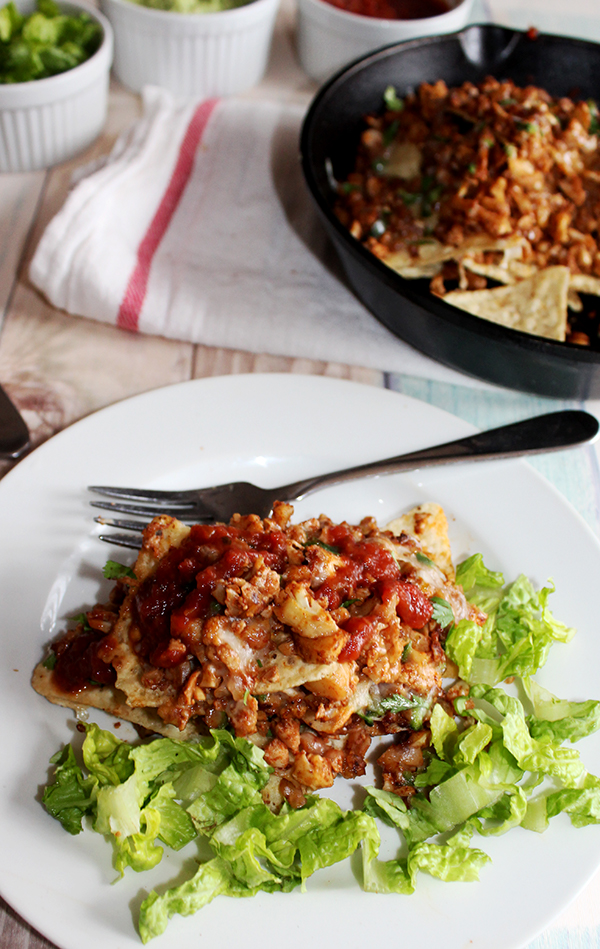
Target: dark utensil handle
[544,433]
[14,434]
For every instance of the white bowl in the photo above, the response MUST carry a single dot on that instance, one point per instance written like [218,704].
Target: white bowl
[329,38]
[46,121]
[191,54]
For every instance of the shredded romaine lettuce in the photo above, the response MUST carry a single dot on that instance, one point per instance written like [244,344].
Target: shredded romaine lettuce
[491,766]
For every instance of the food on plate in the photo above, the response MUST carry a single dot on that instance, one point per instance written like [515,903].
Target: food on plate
[192,6]
[484,186]
[467,757]
[44,43]
[309,639]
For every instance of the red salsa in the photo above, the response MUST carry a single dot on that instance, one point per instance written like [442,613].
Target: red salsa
[79,662]
[394,9]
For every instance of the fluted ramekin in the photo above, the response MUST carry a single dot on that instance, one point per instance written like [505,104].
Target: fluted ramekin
[191,54]
[329,37]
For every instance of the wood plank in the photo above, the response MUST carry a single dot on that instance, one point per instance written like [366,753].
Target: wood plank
[15,933]
[213,361]
[58,368]
[19,198]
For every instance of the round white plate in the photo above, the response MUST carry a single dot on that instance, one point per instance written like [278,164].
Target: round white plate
[271,429]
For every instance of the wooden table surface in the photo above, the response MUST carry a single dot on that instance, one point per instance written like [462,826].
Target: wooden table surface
[58,368]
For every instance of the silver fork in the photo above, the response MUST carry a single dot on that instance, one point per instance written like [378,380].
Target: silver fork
[551,432]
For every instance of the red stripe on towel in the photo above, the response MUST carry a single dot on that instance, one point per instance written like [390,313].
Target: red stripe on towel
[135,294]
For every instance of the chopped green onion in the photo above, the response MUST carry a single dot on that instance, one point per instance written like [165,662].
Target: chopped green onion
[424,559]
[392,101]
[390,133]
[320,543]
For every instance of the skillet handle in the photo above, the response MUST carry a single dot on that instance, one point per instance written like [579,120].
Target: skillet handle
[487,47]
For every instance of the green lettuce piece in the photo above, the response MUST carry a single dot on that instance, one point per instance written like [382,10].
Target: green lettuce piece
[259,850]
[452,802]
[547,757]
[558,719]
[443,729]
[324,846]
[518,632]
[140,850]
[390,808]
[462,644]
[118,808]
[10,21]
[508,812]
[231,792]
[176,827]
[581,804]
[482,587]
[453,860]
[106,757]
[383,876]
[45,42]
[213,878]
[38,28]
[71,795]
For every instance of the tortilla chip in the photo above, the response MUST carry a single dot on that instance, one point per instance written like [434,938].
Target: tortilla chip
[585,283]
[427,259]
[428,523]
[574,301]
[537,305]
[107,699]
[511,272]
[404,161]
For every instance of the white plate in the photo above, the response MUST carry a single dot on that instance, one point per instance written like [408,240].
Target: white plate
[272,429]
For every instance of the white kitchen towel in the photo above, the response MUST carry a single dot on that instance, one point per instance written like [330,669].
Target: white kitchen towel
[199,227]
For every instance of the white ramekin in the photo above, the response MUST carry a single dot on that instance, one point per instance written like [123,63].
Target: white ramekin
[47,121]
[329,38]
[191,55]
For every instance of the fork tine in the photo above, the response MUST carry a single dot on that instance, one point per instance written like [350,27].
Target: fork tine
[122,540]
[140,494]
[144,511]
[123,525]
[189,516]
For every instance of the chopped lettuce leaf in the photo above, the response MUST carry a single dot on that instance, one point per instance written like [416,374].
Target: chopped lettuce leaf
[72,795]
[45,42]
[558,719]
[453,860]
[518,632]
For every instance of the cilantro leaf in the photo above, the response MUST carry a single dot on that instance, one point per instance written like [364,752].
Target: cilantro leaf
[114,570]
[442,612]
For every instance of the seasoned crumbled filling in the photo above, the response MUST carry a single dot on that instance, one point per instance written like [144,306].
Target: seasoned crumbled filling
[310,639]
[493,159]
[508,175]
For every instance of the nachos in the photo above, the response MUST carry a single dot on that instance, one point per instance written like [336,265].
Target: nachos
[482,187]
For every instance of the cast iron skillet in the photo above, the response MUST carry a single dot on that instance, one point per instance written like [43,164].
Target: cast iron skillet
[330,133]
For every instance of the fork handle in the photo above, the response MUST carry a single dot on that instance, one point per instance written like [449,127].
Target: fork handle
[544,433]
